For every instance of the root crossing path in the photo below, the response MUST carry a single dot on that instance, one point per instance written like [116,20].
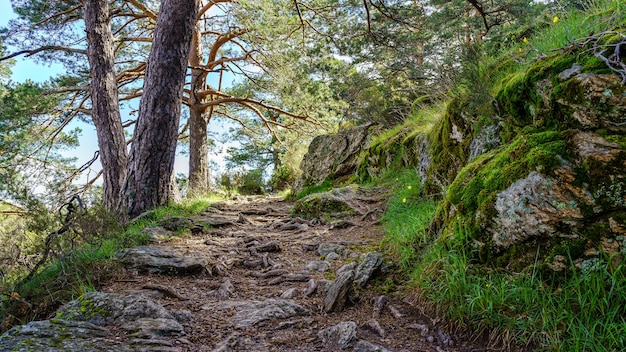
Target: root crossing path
[252,277]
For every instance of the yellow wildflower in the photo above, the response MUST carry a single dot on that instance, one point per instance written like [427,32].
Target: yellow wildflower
[520,50]
[409,188]
[555,19]
[403,200]
[525,40]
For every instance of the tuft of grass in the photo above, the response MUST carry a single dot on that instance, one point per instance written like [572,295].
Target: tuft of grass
[325,186]
[407,218]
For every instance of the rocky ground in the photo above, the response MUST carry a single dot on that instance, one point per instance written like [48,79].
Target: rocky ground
[250,277]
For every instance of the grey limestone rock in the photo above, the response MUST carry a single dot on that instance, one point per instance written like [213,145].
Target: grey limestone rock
[372,262]
[342,335]
[318,265]
[338,291]
[325,249]
[176,223]
[158,234]
[251,313]
[60,335]
[531,207]
[366,346]
[333,156]
[103,309]
[165,260]
[151,328]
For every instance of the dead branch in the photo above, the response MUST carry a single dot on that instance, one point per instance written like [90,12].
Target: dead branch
[74,207]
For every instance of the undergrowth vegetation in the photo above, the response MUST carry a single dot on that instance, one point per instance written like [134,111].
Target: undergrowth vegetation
[86,266]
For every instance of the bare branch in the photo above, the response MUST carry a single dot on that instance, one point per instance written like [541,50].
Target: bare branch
[28,53]
[210,4]
[144,9]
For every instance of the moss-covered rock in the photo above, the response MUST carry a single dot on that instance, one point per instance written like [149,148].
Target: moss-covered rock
[339,202]
[400,149]
[333,156]
[539,196]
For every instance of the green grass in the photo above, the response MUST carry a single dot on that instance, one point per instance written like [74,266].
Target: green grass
[406,218]
[598,16]
[325,186]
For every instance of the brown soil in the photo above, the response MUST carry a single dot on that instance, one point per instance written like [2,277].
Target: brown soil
[405,329]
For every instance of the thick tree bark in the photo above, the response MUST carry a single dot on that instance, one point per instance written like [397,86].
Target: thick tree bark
[104,100]
[199,175]
[149,183]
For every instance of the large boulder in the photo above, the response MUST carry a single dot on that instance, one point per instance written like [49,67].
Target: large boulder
[333,156]
[556,190]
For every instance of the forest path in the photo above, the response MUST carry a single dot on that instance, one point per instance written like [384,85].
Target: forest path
[255,281]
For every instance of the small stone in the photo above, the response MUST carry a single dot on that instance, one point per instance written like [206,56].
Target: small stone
[375,327]
[226,289]
[570,72]
[348,267]
[318,265]
[311,287]
[366,346]
[379,304]
[332,256]
[326,248]
[290,293]
[337,294]
[342,335]
[395,312]
[367,268]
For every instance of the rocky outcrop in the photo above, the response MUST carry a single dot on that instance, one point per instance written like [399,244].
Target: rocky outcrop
[333,156]
[557,188]
[251,313]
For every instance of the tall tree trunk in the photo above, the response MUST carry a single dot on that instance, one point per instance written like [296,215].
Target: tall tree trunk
[105,106]
[149,183]
[199,176]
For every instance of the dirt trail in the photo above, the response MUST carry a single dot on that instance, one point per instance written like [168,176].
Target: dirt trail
[259,253]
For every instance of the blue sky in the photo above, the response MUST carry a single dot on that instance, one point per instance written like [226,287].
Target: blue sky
[25,69]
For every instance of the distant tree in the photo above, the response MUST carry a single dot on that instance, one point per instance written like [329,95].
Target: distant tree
[31,136]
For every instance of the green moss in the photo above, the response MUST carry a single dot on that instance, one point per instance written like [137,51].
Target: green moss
[321,205]
[474,191]
[449,154]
